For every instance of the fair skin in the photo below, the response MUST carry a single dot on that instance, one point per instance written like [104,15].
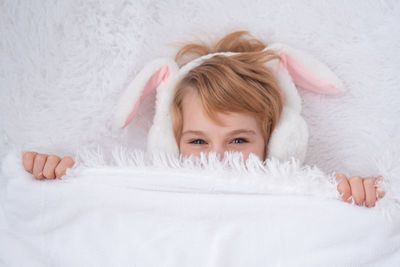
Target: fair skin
[239,132]
[44,166]
[235,132]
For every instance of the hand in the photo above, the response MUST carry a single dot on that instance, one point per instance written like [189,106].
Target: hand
[362,190]
[43,166]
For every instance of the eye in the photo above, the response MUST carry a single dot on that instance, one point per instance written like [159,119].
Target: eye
[198,142]
[239,141]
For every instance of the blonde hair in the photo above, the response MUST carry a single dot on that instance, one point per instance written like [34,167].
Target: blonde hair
[238,83]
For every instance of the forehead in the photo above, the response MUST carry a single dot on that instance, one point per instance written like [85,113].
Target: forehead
[195,118]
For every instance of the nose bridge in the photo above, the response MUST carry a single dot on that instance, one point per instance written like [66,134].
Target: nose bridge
[219,148]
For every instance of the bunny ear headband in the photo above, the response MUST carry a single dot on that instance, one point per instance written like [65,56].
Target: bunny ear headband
[290,136]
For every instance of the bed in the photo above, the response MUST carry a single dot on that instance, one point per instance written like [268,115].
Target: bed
[64,65]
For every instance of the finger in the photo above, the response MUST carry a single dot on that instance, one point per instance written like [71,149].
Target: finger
[50,166]
[343,187]
[27,161]
[370,192]
[379,191]
[38,164]
[66,162]
[357,190]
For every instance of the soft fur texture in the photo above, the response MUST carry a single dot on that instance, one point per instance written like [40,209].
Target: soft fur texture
[63,66]
[157,210]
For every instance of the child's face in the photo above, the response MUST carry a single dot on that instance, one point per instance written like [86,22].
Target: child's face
[239,132]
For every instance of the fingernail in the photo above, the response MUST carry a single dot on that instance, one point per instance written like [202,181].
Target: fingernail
[40,173]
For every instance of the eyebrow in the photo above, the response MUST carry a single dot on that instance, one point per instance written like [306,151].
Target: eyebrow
[235,132]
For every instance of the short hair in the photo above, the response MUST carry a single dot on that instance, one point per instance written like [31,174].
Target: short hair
[239,83]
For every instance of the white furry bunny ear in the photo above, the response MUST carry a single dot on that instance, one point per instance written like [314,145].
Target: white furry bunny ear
[295,68]
[307,72]
[152,76]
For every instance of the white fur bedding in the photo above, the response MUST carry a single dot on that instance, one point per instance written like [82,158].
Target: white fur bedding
[154,210]
[63,66]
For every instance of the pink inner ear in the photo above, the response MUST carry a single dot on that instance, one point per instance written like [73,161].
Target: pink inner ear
[305,79]
[155,80]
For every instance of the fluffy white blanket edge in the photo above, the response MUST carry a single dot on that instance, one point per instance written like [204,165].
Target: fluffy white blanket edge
[129,208]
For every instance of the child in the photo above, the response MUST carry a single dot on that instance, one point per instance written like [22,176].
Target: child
[227,103]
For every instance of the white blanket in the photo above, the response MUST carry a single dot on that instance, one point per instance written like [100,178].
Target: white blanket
[158,211]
